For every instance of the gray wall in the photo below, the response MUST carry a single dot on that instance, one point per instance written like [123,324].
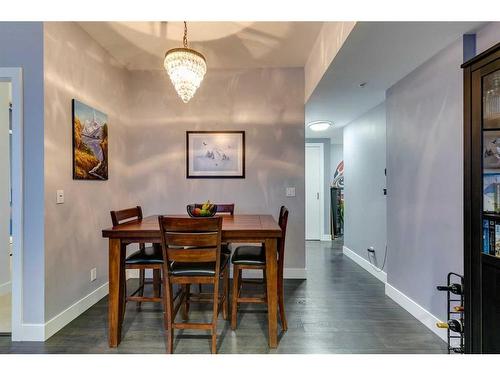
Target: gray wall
[77,67]
[327,176]
[425,178]
[266,103]
[21,45]
[487,36]
[364,181]
[425,174]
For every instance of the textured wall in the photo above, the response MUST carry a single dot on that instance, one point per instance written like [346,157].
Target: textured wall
[266,103]
[487,36]
[21,45]
[77,67]
[364,181]
[425,178]
[328,43]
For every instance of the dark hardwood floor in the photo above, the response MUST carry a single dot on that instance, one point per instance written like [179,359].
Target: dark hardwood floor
[339,309]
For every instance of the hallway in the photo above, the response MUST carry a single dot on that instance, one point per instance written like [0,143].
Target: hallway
[339,309]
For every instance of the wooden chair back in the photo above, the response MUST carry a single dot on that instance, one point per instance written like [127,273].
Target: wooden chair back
[224,208]
[191,240]
[282,222]
[127,214]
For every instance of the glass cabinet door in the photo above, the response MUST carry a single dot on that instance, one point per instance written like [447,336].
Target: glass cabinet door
[491,100]
[490,90]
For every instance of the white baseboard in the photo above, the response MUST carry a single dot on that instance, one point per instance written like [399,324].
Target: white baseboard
[379,274]
[31,332]
[326,237]
[72,312]
[424,316]
[5,288]
[421,314]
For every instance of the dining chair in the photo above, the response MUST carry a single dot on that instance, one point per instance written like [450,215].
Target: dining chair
[254,257]
[192,252]
[222,208]
[143,259]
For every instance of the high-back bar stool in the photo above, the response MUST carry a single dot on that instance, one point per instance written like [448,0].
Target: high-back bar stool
[222,208]
[254,257]
[143,259]
[192,252]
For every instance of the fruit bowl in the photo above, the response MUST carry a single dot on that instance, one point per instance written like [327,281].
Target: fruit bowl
[201,210]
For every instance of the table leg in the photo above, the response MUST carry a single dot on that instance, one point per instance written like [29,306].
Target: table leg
[115,292]
[272,290]
[157,277]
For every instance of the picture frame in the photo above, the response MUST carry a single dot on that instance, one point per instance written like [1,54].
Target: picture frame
[215,154]
[90,142]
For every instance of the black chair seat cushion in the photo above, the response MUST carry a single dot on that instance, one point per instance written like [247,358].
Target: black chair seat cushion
[249,255]
[197,269]
[149,256]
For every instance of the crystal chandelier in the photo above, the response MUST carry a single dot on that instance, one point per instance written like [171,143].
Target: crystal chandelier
[186,69]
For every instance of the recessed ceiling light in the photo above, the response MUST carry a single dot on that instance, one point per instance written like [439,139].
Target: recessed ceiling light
[319,126]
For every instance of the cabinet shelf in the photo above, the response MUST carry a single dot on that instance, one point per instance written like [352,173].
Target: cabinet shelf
[491,259]
[491,215]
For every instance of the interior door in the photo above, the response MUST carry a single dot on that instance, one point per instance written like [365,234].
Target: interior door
[5,283]
[313,164]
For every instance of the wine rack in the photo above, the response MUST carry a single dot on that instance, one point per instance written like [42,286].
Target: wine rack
[455,311]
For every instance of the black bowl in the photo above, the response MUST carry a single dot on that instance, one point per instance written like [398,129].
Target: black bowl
[190,208]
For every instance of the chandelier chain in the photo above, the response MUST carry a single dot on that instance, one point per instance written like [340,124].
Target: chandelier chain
[185,39]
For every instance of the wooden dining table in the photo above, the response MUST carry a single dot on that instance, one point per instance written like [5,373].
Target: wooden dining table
[237,228]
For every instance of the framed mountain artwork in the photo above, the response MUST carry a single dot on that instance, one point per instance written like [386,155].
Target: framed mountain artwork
[90,143]
[215,154]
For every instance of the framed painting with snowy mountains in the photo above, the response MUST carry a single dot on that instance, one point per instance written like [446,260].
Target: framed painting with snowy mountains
[90,143]
[215,154]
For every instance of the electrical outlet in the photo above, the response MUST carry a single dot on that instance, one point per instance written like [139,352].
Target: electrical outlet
[93,274]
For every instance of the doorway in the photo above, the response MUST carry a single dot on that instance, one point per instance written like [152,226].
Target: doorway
[314,202]
[11,196]
[5,208]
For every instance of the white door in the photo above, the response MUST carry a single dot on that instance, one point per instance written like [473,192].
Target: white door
[5,284]
[314,183]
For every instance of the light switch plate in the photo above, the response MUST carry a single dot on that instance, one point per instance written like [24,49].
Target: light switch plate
[290,192]
[60,196]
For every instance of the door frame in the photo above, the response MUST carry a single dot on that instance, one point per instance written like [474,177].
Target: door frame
[322,185]
[15,77]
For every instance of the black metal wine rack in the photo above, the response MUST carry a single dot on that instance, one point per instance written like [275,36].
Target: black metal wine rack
[456,340]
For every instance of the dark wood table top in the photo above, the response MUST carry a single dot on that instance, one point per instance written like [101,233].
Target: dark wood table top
[237,226]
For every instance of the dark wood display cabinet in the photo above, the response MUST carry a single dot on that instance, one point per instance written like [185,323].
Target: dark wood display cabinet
[482,202]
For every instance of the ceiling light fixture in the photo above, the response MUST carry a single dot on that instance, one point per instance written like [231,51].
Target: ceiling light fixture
[319,126]
[186,68]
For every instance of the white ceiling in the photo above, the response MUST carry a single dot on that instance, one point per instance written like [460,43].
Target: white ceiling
[379,53]
[142,45]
